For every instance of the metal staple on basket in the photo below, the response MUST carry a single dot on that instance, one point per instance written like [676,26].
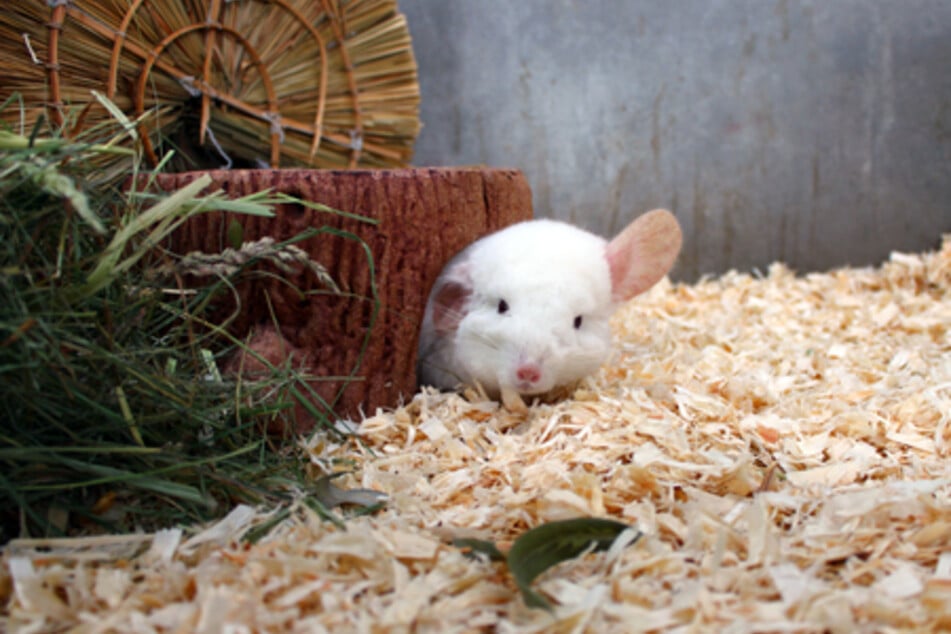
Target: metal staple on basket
[150,37]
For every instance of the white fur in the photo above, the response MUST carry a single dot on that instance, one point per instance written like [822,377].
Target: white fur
[549,273]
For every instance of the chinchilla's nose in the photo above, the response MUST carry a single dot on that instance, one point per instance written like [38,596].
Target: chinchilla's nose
[529,372]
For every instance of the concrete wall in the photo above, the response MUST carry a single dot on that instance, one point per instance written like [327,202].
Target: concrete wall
[813,132]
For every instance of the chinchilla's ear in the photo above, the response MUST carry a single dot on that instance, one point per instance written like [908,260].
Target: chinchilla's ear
[643,253]
[450,297]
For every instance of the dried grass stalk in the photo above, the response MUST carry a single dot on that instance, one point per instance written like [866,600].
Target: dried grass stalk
[286,82]
[287,258]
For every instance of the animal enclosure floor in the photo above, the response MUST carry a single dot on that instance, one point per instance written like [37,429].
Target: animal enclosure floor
[783,442]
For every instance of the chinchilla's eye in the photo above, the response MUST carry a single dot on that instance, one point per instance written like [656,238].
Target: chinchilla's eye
[503,307]
[578,321]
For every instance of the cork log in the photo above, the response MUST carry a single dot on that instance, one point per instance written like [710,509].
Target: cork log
[424,216]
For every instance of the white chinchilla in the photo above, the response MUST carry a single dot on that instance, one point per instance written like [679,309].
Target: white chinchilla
[527,308]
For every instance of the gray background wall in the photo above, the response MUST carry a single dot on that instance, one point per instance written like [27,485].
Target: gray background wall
[813,132]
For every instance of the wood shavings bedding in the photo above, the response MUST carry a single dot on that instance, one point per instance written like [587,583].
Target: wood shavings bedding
[783,442]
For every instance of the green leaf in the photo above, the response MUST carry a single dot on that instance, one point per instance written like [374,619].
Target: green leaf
[330,495]
[165,216]
[56,183]
[235,233]
[471,545]
[117,114]
[540,548]
[104,474]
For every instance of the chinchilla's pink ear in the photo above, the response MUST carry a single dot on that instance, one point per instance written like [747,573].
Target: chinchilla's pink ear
[450,297]
[642,253]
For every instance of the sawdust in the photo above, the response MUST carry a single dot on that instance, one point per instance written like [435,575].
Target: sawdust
[782,441]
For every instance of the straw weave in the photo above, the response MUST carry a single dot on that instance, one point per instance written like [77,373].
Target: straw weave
[322,83]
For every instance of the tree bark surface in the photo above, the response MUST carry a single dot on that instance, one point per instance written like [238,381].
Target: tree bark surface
[423,217]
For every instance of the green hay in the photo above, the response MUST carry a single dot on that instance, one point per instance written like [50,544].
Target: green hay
[113,413]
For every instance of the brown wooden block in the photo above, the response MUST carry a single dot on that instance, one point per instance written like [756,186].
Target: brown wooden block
[424,217]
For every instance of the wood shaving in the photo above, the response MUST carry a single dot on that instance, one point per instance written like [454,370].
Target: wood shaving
[783,441]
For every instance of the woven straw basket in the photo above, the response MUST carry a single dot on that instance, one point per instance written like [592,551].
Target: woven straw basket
[319,83]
